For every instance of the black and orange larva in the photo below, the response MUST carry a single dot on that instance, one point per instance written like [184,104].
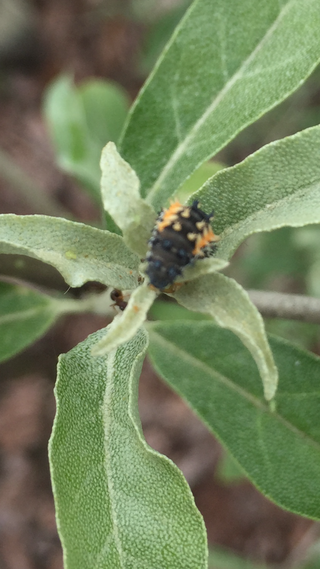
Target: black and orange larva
[181,235]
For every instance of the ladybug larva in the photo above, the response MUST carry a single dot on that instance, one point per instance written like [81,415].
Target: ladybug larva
[181,235]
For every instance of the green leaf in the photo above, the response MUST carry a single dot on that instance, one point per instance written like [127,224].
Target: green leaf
[278,185]
[202,267]
[120,505]
[125,325]
[228,470]
[279,449]
[105,106]
[226,64]
[76,153]
[79,252]
[121,198]
[223,559]
[81,121]
[229,304]
[25,315]
[161,310]
[198,178]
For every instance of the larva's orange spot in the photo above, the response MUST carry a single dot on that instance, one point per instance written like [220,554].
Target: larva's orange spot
[203,240]
[169,215]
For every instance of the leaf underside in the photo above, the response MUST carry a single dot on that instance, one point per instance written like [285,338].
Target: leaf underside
[229,304]
[79,252]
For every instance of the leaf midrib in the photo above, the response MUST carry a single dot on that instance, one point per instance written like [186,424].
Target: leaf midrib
[182,147]
[236,388]
[278,202]
[106,425]
[22,315]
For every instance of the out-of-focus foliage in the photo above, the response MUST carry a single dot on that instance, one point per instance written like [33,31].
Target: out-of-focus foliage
[81,120]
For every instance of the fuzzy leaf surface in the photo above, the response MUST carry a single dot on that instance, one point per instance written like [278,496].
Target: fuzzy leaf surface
[126,324]
[121,199]
[79,252]
[25,315]
[278,185]
[226,64]
[278,449]
[120,504]
[229,304]
[202,267]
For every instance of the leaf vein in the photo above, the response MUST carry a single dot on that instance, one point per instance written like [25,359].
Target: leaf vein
[227,382]
[107,422]
[182,147]
[22,315]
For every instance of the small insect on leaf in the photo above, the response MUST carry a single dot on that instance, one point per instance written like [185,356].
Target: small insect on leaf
[118,298]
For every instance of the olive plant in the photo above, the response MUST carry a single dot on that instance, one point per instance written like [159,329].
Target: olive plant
[119,503]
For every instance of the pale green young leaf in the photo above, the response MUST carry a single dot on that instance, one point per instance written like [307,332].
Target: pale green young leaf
[202,267]
[126,324]
[226,64]
[25,315]
[121,199]
[79,252]
[120,504]
[229,304]
[278,185]
[277,446]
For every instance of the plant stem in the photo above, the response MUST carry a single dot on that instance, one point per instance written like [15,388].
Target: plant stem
[288,306]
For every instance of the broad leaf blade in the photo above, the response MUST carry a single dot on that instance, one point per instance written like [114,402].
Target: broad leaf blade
[226,64]
[79,252]
[25,315]
[279,450]
[229,304]
[119,503]
[278,185]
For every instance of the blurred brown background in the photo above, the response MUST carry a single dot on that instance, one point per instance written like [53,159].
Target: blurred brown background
[119,40]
